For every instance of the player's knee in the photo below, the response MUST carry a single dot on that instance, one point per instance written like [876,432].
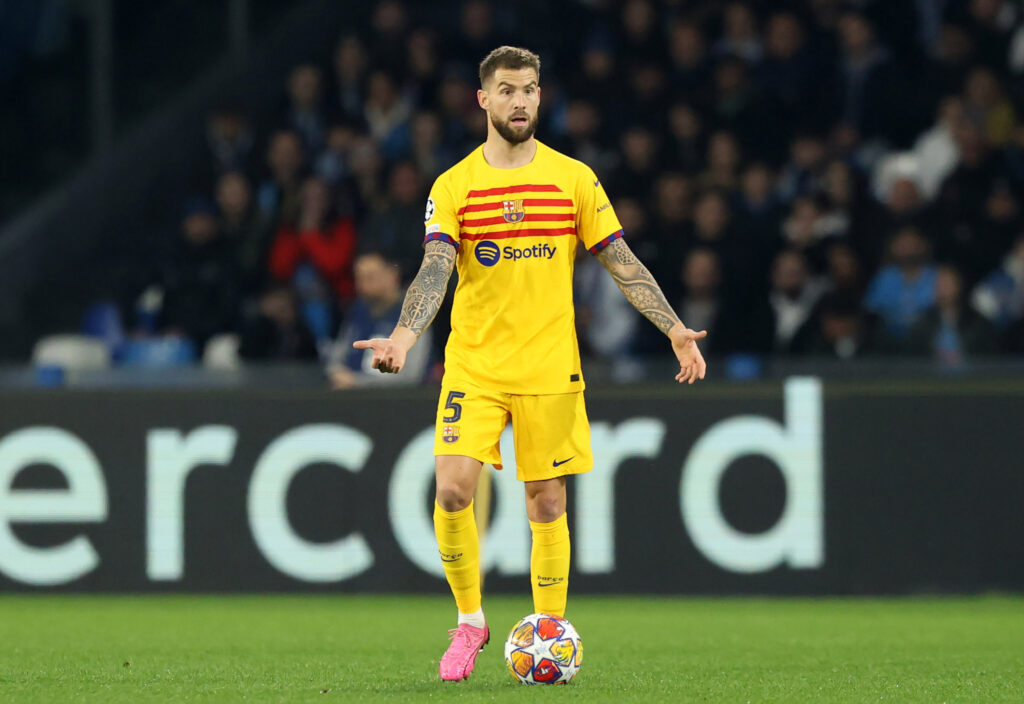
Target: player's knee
[545,509]
[453,497]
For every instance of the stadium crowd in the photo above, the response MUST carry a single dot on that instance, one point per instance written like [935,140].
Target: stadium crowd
[817,178]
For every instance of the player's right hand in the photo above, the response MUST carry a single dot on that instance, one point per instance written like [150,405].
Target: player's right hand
[388,355]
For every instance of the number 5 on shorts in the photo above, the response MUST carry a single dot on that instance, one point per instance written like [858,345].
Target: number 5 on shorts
[453,406]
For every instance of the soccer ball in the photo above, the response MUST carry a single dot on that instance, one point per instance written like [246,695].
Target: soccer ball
[543,649]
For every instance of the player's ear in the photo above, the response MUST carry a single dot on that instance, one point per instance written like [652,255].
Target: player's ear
[481,98]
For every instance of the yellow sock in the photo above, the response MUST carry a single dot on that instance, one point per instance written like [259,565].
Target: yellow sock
[549,566]
[460,552]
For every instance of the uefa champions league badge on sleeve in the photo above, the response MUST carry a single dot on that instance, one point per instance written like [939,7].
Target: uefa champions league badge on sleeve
[429,212]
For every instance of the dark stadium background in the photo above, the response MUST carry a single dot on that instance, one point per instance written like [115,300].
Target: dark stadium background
[833,189]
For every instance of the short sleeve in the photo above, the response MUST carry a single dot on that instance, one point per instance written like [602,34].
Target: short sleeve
[596,223]
[440,218]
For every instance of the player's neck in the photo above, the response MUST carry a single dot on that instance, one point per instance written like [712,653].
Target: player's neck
[502,154]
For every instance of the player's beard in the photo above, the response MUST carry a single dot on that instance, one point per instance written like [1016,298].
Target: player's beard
[511,133]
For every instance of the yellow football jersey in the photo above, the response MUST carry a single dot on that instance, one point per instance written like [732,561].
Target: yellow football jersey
[516,232]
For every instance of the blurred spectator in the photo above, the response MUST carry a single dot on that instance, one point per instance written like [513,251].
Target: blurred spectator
[670,227]
[229,140]
[711,219]
[390,24]
[987,106]
[844,194]
[840,329]
[688,58]
[702,306]
[810,224]
[951,331]
[477,34]
[635,222]
[278,196]
[844,271]
[350,66]
[333,163]
[788,70]
[375,313]
[457,102]
[423,70]
[200,282]
[244,230]
[1013,155]
[276,332]
[387,115]
[901,206]
[431,155]
[635,176]
[582,136]
[869,90]
[367,172]
[758,208]
[723,162]
[396,226]
[304,114]
[976,205]
[905,287]
[316,256]
[952,56]
[600,81]
[804,171]
[1000,295]
[638,31]
[740,37]
[686,135]
[608,326]
[647,94]
[738,107]
[989,25]
[936,150]
[793,297]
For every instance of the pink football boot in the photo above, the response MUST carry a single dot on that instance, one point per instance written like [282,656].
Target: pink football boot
[459,660]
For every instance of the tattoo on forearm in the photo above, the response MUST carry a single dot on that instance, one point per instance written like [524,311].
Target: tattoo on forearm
[426,292]
[637,284]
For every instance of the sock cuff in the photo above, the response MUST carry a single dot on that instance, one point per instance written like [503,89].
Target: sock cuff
[559,524]
[453,515]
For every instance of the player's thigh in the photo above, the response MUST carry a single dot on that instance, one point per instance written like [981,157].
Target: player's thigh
[552,436]
[470,421]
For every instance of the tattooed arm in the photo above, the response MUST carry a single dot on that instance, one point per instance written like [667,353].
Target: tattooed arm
[640,289]
[422,301]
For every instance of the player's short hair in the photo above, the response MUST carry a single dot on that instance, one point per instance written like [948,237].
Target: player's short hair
[508,57]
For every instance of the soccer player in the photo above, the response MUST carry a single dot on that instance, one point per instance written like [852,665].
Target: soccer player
[509,216]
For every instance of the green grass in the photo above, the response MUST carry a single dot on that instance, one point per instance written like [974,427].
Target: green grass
[368,649]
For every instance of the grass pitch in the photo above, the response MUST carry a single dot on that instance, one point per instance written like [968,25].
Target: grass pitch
[368,649]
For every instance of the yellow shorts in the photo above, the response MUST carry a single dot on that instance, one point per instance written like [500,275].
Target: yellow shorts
[551,432]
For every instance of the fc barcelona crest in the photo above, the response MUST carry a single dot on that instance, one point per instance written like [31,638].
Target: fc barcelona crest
[450,433]
[513,211]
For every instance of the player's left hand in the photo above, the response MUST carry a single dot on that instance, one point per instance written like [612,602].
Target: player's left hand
[691,362]
[388,354]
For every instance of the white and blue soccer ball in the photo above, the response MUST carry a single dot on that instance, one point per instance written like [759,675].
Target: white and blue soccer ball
[543,649]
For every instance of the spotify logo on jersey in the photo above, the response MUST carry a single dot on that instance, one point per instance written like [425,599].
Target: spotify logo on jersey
[487,253]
